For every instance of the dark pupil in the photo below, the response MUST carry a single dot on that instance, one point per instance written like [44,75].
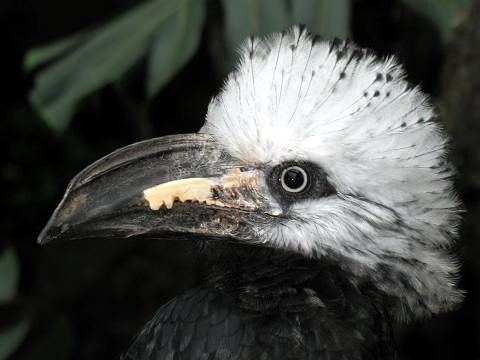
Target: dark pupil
[293,179]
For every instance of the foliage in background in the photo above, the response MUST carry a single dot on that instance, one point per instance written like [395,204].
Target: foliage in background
[444,14]
[168,33]
[8,275]
[11,334]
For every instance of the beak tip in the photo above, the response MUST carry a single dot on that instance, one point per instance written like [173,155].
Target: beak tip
[41,240]
[50,233]
[45,236]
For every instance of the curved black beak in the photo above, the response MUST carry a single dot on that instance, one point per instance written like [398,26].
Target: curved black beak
[159,188]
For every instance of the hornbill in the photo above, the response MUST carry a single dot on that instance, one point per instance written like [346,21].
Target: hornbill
[319,193]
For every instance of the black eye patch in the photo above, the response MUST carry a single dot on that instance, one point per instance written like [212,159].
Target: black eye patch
[293,181]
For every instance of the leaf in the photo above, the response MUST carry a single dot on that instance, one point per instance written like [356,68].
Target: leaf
[252,17]
[8,275]
[327,18]
[41,55]
[176,40]
[11,338]
[445,14]
[99,60]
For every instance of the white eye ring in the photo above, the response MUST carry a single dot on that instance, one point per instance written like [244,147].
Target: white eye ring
[294,184]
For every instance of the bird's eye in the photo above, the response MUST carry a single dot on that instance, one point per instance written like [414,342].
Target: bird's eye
[294,179]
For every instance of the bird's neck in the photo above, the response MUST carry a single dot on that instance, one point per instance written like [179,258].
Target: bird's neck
[301,300]
[269,280]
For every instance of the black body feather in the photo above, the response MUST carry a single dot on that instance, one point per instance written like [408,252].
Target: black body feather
[267,304]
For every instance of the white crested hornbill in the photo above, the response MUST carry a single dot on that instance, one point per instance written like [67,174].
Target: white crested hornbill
[319,193]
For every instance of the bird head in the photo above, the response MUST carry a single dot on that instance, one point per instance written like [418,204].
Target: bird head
[314,147]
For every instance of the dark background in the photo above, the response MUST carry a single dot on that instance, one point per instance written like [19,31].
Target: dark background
[86,300]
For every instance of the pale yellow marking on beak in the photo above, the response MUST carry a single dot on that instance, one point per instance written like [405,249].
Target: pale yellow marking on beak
[200,189]
[192,189]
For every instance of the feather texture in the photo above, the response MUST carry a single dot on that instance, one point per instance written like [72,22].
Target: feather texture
[394,214]
[286,319]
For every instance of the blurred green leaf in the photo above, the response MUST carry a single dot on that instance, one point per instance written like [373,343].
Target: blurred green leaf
[445,14]
[174,44]
[8,275]
[327,18]
[104,56]
[252,17]
[11,338]
[41,55]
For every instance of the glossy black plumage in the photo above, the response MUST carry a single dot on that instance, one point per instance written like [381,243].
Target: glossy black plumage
[267,304]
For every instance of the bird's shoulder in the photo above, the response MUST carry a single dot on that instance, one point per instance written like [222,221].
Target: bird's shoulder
[205,324]
[199,324]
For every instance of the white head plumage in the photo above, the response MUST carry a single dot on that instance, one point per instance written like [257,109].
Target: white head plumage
[354,115]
